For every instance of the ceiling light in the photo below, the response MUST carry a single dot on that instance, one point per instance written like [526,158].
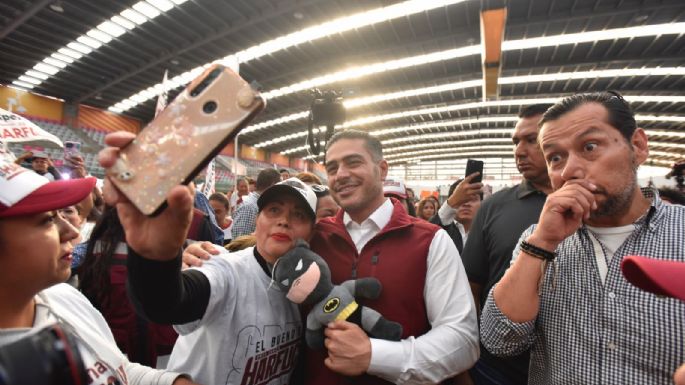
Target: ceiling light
[61,57]
[24,85]
[37,74]
[90,42]
[48,69]
[29,79]
[162,5]
[442,109]
[179,2]
[54,62]
[146,9]
[133,16]
[474,154]
[98,34]
[57,7]
[80,48]
[455,151]
[123,22]
[591,36]
[338,26]
[111,29]
[356,72]
[70,53]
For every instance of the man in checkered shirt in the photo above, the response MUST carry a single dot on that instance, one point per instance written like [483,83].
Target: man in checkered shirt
[584,323]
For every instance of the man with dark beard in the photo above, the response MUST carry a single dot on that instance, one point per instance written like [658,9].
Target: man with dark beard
[564,296]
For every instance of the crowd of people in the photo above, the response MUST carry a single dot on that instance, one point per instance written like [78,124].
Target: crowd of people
[534,284]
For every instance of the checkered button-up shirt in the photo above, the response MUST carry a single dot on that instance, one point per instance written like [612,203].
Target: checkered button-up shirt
[587,332]
[245,218]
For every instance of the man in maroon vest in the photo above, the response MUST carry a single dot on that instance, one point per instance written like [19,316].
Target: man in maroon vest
[424,284]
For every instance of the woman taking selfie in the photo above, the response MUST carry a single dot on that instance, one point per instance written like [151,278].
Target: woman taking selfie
[232,324]
[35,248]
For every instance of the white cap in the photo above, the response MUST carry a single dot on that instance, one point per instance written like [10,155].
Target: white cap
[294,187]
[394,187]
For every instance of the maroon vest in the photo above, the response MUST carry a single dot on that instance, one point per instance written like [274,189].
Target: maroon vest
[397,256]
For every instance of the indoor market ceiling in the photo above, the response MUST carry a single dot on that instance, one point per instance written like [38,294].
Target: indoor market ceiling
[410,72]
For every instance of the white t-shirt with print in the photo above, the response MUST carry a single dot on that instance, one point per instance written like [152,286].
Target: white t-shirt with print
[250,333]
[104,363]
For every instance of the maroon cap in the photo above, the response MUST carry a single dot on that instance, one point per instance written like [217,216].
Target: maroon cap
[655,275]
[50,196]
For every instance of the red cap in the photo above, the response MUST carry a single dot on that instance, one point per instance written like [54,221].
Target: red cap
[23,192]
[655,276]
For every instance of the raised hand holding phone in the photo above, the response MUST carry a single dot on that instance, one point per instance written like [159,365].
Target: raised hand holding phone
[183,138]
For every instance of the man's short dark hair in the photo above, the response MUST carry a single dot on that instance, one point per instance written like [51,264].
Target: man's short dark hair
[267,178]
[219,197]
[533,110]
[284,170]
[372,144]
[621,116]
[672,195]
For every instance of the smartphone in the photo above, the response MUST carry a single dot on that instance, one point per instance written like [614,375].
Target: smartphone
[472,166]
[183,138]
[71,149]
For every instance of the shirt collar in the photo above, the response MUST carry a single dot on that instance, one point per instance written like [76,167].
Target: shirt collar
[525,189]
[380,217]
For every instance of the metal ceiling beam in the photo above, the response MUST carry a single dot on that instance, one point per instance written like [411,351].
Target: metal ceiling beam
[165,58]
[35,8]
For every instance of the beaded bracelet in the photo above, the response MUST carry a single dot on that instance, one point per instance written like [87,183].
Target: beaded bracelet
[537,252]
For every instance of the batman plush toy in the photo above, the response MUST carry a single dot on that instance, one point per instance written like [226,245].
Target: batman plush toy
[306,279]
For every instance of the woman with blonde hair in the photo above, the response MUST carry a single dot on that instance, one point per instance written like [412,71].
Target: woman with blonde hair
[427,208]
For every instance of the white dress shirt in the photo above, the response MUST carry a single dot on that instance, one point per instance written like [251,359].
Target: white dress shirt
[447,215]
[451,346]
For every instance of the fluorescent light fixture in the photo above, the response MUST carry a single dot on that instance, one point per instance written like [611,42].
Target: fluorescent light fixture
[361,121]
[95,38]
[28,79]
[179,2]
[23,85]
[61,57]
[80,48]
[89,41]
[123,22]
[162,5]
[590,36]
[99,35]
[454,143]
[70,53]
[454,150]
[613,73]
[474,154]
[334,27]
[444,123]
[361,71]
[45,68]
[37,74]
[146,9]
[112,29]
[54,62]
[131,15]
[663,118]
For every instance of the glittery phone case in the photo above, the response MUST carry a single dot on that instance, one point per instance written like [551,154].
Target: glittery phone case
[183,138]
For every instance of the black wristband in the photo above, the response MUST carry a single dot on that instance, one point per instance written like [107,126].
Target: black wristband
[537,252]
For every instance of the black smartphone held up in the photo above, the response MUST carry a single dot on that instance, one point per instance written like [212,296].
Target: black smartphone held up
[472,166]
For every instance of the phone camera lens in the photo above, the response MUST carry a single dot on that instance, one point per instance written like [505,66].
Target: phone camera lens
[209,107]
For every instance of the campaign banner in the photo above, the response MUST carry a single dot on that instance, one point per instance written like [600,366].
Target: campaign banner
[17,129]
